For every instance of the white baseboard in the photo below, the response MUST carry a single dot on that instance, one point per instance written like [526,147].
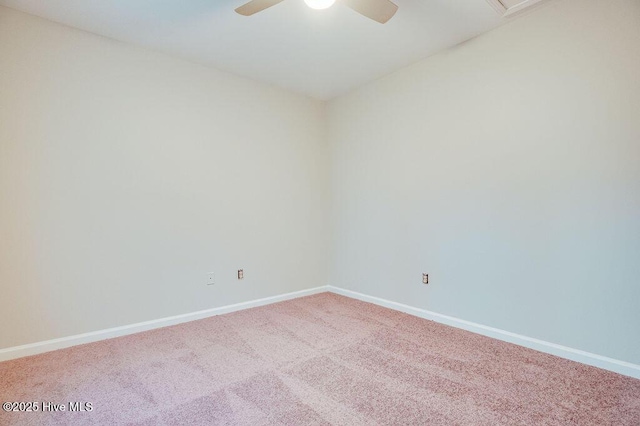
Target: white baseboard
[94,336]
[621,367]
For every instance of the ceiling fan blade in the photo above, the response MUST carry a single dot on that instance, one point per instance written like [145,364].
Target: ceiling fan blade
[378,10]
[256,6]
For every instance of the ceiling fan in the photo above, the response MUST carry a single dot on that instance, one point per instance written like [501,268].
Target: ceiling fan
[378,10]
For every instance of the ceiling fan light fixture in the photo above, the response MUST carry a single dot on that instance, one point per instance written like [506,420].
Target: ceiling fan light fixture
[378,10]
[319,4]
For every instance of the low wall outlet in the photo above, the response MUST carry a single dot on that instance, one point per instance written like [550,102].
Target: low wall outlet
[211,278]
[240,274]
[425,278]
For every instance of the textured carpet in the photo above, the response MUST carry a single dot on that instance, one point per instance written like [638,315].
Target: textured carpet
[317,360]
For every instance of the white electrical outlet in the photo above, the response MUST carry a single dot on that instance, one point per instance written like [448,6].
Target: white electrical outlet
[211,278]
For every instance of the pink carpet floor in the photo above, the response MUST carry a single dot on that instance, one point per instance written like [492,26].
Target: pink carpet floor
[317,360]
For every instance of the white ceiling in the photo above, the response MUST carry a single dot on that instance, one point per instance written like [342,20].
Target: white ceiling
[318,53]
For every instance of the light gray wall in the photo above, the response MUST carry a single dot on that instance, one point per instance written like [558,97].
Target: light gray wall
[127,175]
[509,169]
